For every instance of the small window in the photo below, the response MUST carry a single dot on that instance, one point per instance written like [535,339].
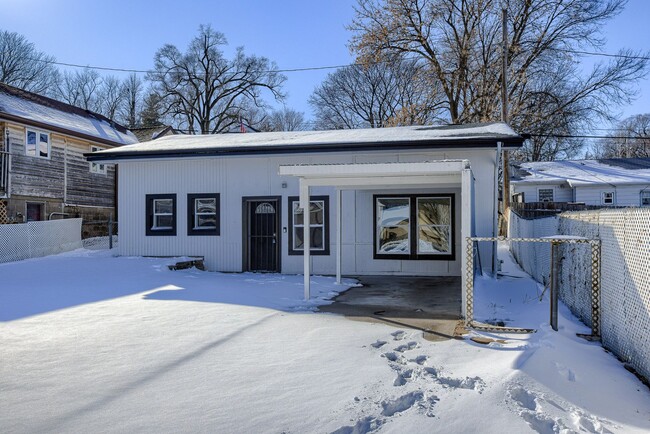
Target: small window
[34,211]
[545,195]
[608,198]
[97,167]
[414,227]
[318,226]
[37,144]
[645,198]
[161,214]
[203,214]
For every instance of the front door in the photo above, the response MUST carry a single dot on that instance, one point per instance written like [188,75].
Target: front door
[262,234]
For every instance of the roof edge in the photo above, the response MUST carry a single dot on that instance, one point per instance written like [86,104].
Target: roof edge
[21,120]
[508,142]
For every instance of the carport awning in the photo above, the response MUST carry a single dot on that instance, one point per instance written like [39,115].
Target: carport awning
[355,176]
[377,175]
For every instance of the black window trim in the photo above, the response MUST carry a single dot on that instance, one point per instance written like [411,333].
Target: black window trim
[190,214]
[326,228]
[149,216]
[414,255]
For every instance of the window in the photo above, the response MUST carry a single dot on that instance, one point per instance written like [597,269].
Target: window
[545,195]
[318,226]
[97,167]
[203,214]
[161,214]
[414,227]
[645,197]
[608,198]
[37,143]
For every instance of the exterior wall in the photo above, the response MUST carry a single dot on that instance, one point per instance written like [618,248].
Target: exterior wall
[560,194]
[629,195]
[237,177]
[63,183]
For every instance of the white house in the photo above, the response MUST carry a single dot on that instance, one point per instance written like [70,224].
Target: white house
[605,182]
[382,201]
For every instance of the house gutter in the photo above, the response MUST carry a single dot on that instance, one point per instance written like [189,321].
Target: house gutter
[470,143]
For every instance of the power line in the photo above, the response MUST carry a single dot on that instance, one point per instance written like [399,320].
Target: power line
[322,67]
[594,53]
[585,136]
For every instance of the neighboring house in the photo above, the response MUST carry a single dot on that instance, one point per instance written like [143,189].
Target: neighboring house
[43,171]
[145,134]
[382,201]
[605,182]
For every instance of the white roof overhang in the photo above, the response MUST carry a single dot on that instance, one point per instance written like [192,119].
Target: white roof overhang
[371,175]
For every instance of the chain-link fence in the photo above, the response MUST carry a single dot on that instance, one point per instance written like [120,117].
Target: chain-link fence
[36,239]
[625,273]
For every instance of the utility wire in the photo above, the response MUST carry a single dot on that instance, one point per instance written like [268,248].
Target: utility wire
[319,68]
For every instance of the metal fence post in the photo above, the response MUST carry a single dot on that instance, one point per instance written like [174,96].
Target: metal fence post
[555,281]
[110,231]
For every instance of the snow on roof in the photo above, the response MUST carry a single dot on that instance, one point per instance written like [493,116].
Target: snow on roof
[38,109]
[316,139]
[584,172]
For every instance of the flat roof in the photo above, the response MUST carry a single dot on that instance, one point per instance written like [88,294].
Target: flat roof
[290,142]
[611,171]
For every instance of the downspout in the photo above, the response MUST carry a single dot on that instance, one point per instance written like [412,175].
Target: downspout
[65,173]
[8,149]
[495,207]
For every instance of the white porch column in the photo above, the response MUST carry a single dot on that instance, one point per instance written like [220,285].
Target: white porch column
[304,204]
[339,236]
[466,216]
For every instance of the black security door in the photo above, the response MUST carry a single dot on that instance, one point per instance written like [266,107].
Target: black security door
[262,234]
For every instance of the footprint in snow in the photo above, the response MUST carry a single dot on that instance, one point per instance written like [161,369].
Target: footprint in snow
[378,344]
[363,426]
[405,347]
[420,360]
[403,377]
[398,335]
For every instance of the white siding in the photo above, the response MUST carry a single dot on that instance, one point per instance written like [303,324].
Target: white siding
[238,177]
[628,195]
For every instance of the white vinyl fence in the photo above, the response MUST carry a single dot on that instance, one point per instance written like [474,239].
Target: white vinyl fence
[36,239]
[625,273]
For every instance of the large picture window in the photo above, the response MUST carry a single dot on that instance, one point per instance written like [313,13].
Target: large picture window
[414,227]
[161,214]
[318,226]
[203,214]
[37,143]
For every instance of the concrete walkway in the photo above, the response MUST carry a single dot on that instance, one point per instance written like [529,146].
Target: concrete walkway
[429,304]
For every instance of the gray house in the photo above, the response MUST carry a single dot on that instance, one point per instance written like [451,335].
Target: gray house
[43,171]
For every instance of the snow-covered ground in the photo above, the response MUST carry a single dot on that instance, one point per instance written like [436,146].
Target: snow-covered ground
[93,343]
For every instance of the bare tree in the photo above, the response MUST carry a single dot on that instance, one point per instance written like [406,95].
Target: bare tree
[22,66]
[81,89]
[204,91]
[110,97]
[286,119]
[387,93]
[129,111]
[460,41]
[630,139]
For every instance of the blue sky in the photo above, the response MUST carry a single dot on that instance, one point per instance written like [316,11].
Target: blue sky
[295,34]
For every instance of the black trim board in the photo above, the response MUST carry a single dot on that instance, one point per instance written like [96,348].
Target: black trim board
[190,214]
[149,198]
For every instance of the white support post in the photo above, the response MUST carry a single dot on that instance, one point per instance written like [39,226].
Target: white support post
[304,204]
[339,236]
[466,216]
